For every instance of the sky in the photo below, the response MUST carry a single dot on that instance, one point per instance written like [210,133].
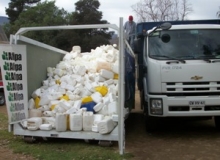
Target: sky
[114,9]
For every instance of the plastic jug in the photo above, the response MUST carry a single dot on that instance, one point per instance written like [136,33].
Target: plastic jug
[88,119]
[61,122]
[76,122]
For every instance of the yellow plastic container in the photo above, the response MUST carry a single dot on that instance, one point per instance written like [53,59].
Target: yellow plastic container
[65,97]
[115,76]
[68,121]
[52,107]
[36,101]
[58,82]
[102,89]
[87,99]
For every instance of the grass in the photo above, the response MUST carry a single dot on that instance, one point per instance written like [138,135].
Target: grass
[58,149]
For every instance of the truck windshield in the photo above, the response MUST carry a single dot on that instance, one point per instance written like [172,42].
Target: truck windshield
[184,44]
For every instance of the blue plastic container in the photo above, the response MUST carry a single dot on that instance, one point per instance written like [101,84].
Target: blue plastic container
[89,106]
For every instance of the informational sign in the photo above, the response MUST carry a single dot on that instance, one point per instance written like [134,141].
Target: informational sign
[14,76]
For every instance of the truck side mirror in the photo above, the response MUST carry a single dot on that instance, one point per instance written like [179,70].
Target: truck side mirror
[166,26]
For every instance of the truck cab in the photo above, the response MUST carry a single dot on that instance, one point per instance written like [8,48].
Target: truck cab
[178,69]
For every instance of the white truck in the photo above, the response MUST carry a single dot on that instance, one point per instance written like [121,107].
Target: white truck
[179,69]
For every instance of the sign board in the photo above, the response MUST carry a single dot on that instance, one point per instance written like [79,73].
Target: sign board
[14,75]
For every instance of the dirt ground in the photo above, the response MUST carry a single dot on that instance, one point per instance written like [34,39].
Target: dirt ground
[175,140]
[5,152]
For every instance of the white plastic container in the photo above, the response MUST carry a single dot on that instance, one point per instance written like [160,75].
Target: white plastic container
[115,68]
[61,122]
[44,108]
[88,119]
[104,110]
[72,110]
[115,117]
[24,124]
[106,74]
[76,122]
[35,113]
[49,120]
[96,97]
[112,108]
[97,119]
[31,104]
[95,128]
[34,123]
[49,113]
[101,64]
[106,125]
[46,127]
[98,107]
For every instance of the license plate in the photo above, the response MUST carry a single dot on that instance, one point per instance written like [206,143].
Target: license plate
[196,103]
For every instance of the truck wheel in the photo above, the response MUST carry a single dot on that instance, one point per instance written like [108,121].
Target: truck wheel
[2,99]
[150,123]
[217,122]
[29,139]
[105,143]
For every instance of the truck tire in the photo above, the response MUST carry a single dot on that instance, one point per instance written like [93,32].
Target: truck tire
[142,100]
[2,98]
[29,139]
[149,120]
[105,143]
[151,123]
[217,122]
[148,125]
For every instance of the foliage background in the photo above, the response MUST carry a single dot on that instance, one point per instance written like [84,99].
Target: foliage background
[29,13]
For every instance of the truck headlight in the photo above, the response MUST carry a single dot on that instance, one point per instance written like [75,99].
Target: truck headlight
[156,106]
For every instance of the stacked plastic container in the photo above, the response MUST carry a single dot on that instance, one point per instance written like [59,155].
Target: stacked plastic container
[79,94]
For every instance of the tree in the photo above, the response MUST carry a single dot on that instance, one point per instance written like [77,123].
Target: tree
[32,17]
[48,14]
[17,6]
[86,12]
[162,10]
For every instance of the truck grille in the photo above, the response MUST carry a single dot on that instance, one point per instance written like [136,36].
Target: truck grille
[192,88]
